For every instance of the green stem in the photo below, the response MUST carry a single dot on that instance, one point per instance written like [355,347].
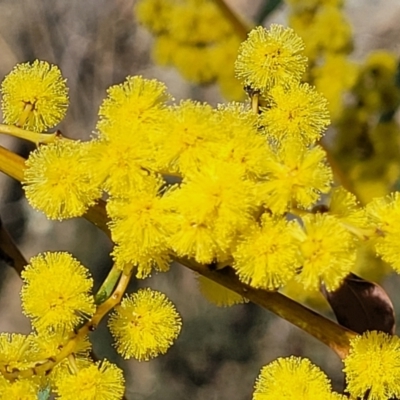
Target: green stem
[108,285]
[34,137]
[362,233]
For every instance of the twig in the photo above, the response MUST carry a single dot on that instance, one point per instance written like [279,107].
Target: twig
[330,333]
[35,137]
[325,330]
[44,366]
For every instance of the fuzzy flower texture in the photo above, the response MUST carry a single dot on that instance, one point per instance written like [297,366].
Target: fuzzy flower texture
[218,185]
[237,173]
[235,185]
[144,326]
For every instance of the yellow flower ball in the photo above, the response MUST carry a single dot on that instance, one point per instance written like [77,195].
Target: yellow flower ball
[35,96]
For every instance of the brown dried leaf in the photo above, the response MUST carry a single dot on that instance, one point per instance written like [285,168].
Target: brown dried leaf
[361,305]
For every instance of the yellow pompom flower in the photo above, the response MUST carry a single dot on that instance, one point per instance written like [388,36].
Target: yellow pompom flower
[295,111]
[344,206]
[138,228]
[36,93]
[57,180]
[144,325]
[292,378]
[190,134]
[217,294]
[296,176]
[327,251]
[119,166]
[373,365]
[267,256]
[20,389]
[270,57]
[63,303]
[100,381]
[241,141]
[136,102]
[209,209]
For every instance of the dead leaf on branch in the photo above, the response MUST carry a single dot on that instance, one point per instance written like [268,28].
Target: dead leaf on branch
[362,306]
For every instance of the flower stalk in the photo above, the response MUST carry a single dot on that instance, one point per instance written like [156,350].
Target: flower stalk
[34,137]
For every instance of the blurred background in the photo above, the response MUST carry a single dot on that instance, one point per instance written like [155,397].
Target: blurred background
[97,43]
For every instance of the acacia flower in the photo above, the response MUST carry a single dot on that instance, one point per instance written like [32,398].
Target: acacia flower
[292,378]
[373,365]
[133,103]
[270,57]
[218,294]
[208,210]
[57,180]
[38,88]
[241,142]
[100,381]
[119,165]
[63,303]
[190,135]
[344,206]
[138,228]
[144,325]
[267,256]
[327,252]
[295,175]
[297,110]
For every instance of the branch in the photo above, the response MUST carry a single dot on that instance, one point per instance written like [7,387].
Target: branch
[325,330]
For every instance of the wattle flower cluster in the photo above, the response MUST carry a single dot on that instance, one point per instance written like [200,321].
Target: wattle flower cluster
[215,185]
[239,185]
